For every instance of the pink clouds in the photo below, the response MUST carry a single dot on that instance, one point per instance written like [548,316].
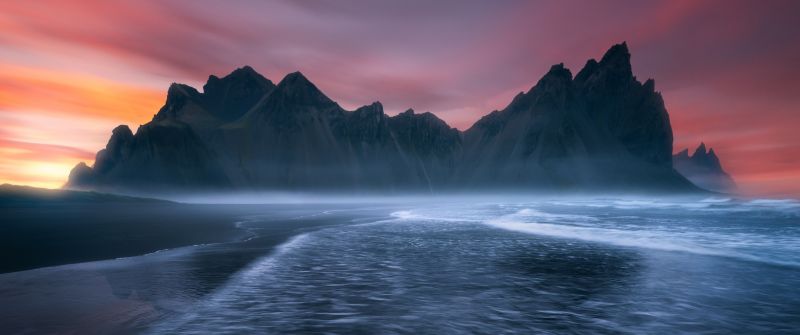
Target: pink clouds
[727,69]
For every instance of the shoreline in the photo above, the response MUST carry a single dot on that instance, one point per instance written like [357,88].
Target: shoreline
[46,236]
[139,290]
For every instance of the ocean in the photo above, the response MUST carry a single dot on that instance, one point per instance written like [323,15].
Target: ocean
[436,266]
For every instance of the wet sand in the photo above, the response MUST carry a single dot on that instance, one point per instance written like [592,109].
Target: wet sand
[40,235]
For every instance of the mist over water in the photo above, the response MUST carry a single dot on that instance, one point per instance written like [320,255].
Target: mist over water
[628,266]
[490,265]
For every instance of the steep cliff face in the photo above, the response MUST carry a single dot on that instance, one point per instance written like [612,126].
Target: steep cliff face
[230,97]
[223,99]
[160,156]
[601,129]
[704,169]
[632,112]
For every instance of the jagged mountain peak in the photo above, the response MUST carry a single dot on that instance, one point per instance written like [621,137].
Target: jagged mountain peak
[178,95]
[614,66]
[587,70]
[703,168]
[299,88]
[297,82]
[178,89]
[296,78]
[377,105]
[375,108]
[242,72]
[703,156]
[428,116]
[553,89]
[557,74]
[615,51]
[701,150]
[617,55]
[554,86]
[294,99]
[706,157]
[231,96]
[222,99]
[617,60]
[424,133]
[559,69]
[650,85]
[245,75]
[246,70]
[122,130]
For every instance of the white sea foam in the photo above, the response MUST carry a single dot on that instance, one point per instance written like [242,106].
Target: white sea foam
[552,216]
[710,204]
[404,215]
[524,221]
[443,217]
[716,200]
[224,293]
[775,203]
[268,262]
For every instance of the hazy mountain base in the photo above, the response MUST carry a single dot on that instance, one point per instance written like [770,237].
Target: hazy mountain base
[52,227]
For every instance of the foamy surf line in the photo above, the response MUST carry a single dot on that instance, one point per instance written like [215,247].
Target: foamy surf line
[217,298]
[620,238]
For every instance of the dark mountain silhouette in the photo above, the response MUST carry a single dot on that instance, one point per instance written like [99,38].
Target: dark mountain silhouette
[704,169]
[601,129]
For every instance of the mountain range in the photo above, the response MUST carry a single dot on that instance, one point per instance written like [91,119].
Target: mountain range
[599,129]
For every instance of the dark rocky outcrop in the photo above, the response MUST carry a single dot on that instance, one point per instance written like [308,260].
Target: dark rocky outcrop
[704,169]
[601,129]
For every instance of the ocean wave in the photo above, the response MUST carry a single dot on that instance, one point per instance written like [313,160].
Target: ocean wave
[710,204]
[775,203]
[529,212]
[716,200]
[220,297]
[414,215]
[644,239]
[268,262]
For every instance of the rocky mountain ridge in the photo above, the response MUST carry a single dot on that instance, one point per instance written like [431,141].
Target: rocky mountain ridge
[602,129]
[704,169]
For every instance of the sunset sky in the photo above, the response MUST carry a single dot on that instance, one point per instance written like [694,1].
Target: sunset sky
[71,71]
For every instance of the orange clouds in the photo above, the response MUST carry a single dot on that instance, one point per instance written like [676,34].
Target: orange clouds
[42,165]
[53,120]
[64,93]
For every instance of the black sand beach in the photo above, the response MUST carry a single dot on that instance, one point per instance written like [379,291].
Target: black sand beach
[172,255]
[47,235]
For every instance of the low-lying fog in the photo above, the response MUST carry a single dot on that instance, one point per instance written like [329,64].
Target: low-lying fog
[489,263]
